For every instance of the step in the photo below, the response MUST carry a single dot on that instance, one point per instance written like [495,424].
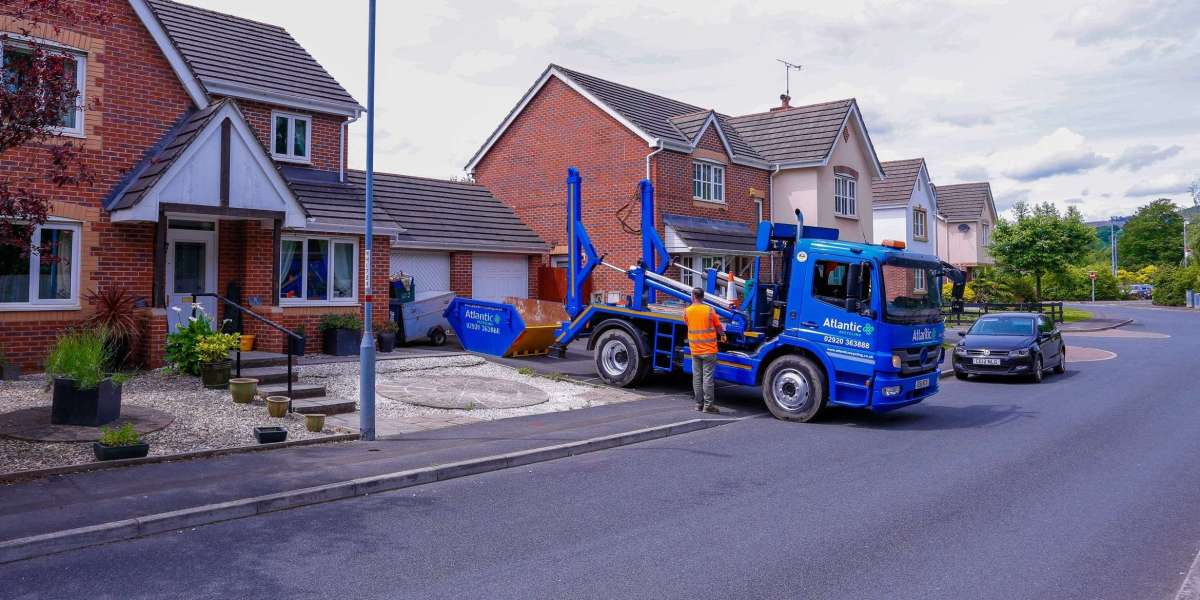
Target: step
[323,406]
[299,390]
[258,358]
[269,375]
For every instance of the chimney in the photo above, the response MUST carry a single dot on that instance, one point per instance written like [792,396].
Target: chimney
[784,99]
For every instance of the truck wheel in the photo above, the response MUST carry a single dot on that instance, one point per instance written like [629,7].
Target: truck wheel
[437,336]
[618,361]
[794,388]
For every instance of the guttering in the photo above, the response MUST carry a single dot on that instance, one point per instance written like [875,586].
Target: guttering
[660,148]
[345,131]
[771,190]
[223,87]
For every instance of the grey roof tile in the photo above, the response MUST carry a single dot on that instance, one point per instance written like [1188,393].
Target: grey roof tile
[897,186]
[798,134]
[224,48]
[964,201]
[715,234]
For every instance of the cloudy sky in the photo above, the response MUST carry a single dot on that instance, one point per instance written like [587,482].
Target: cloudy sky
[1085,103]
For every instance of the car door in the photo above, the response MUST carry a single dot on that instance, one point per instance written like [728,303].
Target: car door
[1048,340]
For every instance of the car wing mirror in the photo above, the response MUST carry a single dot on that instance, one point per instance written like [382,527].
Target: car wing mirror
[962,334]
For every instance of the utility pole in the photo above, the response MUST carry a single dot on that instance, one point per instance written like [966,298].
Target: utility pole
[1112,242]
[366,350]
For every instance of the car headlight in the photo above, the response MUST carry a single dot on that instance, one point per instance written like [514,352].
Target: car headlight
[1019,352]
[960,351]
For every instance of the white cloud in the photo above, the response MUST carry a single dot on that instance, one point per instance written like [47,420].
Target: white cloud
[1139,157]
[476,62]
[1165,185]
[531,31]
[1063,152]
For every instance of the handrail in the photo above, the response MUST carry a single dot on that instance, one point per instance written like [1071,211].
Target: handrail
[1054,308]
[291,335]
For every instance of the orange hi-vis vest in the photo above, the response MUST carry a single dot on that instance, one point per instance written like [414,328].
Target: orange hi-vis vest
[703,327]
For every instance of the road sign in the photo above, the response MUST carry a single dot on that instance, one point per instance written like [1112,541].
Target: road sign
[1092,275]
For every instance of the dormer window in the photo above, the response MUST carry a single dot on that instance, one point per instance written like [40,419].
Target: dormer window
[291,135]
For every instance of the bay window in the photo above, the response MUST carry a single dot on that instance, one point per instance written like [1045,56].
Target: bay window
[318,270]
[47,277]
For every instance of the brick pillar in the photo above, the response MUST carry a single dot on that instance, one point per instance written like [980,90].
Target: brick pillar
[460,273]
[153,346]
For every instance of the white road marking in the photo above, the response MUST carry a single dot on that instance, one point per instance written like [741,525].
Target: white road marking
[1190,590]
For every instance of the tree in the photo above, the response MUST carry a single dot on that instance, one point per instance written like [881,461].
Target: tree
[36,90]
[1040,241]
[1154,236]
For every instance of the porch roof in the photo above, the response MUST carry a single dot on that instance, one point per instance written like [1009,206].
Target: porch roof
[697,235]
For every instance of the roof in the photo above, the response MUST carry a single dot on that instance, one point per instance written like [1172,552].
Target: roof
[159,158]
[697,233]
[431,213]
[897,187]
[232,56]
[964,201]
[791,137]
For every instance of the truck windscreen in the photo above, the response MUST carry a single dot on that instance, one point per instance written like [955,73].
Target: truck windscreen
[912,291]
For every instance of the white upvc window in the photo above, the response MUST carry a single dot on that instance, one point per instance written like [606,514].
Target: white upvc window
[46,278]
[13,51]
[708,181]
[291,136]
[919,278]
[984,234]
[845,193]
[920,224]
[318,270]
[742,266]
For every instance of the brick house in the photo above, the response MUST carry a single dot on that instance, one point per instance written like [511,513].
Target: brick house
[715,176]
[206,131]
[968,218]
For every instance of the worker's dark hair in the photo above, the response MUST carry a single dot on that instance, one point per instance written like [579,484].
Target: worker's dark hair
[698,293]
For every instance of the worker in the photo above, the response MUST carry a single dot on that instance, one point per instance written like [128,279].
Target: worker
[704,329]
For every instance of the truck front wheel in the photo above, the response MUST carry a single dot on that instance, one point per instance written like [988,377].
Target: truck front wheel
[794,388]
[618,361]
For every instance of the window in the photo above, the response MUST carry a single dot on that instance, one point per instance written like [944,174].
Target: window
[743,266]
[291,135]
[920,224]
[708,182]
[16,58]
[318,270]
[919,280]
[845,192]
[830,280]
[1045,325]
[983,234]
[46,277]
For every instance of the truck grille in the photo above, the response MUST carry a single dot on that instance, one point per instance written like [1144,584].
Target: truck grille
[911,362]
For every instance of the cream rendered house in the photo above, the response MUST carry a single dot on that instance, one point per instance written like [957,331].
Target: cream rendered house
[969,214]
[905,206]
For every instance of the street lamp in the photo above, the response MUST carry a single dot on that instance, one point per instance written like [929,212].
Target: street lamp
[366,349]
[1112,242]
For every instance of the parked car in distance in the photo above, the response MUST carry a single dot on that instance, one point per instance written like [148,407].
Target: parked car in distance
[1141,291]
[1016,344]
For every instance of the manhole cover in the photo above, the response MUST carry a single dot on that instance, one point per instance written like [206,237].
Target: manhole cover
[33,424]
[463,393]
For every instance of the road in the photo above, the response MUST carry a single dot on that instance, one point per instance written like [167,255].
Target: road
[1086,486]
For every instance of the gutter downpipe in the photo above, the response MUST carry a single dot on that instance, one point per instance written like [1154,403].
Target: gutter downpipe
[345,132]
[771,188]
[660,148]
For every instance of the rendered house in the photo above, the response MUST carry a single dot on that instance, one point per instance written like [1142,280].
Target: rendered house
[219,148]
[906,206]
[969,216]
[715,175]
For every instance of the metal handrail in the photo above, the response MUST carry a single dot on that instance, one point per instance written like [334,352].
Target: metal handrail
[291,335]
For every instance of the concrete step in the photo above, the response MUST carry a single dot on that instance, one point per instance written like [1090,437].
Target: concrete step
[258,358]
[299,390]
[323,406]
[269,375]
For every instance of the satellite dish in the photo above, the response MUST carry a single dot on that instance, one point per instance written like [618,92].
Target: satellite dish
[963,227]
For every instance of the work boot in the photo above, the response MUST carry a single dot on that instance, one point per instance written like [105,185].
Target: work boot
[711,408]
[699,407]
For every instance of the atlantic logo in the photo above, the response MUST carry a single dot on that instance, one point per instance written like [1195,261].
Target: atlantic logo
[923,335]
[850,326]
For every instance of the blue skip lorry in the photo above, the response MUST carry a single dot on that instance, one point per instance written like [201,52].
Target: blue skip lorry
[818,321]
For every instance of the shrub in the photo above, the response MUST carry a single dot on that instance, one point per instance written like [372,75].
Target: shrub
[124,435]
[181,345]
[388,326]
[116,311]
[1171,282]
[340,321]
[1072,283]
[215,347]
[80,355]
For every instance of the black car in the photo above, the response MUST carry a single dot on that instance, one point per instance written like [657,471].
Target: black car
[1021,344]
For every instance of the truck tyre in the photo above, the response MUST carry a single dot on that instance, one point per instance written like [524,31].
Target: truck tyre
[618,361]
[794,388]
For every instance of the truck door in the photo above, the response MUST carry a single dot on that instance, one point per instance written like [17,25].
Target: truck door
[833,320]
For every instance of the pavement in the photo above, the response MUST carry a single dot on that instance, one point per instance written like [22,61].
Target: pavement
[1084,486]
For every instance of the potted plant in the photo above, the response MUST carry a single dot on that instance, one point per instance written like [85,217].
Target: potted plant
[243,389]
[277,406]
[341,333]
[213,352]
[182,345]
[401,287]
[120,443]
[296,346]
[246,342]
[270,435]
[115,311]
[84,393]
[386,335]
[314,422]
[8,371]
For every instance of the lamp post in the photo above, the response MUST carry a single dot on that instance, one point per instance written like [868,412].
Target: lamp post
[1112,242]
[366,350]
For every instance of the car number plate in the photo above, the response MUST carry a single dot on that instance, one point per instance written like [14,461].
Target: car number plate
[995,362]
[922,384]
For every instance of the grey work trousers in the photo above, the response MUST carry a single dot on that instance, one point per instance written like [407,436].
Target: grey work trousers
[703,369]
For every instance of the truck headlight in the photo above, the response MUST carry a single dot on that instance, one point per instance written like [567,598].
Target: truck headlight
[897,361]
[1020,352]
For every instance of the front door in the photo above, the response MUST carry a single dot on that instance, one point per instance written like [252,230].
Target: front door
[191,269]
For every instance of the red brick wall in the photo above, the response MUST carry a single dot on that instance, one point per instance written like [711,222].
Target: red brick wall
[460,273]
[326,131]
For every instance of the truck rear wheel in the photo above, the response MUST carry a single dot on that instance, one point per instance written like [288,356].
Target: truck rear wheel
[618,361]
[794,388]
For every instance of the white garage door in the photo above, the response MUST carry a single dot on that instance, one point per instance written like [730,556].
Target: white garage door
[498,276]
[430,270]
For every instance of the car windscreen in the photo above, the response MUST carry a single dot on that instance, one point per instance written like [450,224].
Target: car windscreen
[912,291]
[1003,326]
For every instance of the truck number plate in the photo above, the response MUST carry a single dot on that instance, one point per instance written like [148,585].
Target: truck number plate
[995,362]
[922,384]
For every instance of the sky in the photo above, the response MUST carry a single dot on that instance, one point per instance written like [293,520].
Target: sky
[1082,103]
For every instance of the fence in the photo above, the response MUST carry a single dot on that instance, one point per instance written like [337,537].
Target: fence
[973,310]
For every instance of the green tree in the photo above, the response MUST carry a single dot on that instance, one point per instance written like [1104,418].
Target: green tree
[1154,236]
[1041,240]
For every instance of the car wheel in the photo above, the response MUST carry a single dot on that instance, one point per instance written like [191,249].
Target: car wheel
[1037,369]
[961,375]
[1061,367]
[794,388]
[618,361]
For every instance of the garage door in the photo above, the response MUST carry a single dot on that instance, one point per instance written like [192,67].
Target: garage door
[430,270]
[498,276]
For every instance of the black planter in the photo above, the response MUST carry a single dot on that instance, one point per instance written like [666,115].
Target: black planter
[86,408]
[138,450]
[297,346]
[9,372]
[215,375]
[270,435]
[386,342]
[341,342]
